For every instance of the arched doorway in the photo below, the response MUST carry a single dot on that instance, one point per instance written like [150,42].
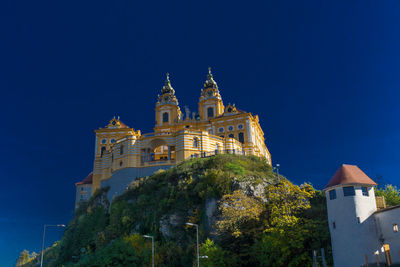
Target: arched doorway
[158,150]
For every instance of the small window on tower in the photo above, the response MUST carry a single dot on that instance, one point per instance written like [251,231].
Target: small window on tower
[112,141]
[358,220]
[332,194]
[195,143]
[210,112]
[221,129]
[365,191]
[333,225]
[348,191]
[395,228]
[165,117]
[104,141]
[231,136]
[121,150]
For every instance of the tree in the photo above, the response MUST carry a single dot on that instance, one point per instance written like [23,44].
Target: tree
[290,233]
[216,256]
[285,202]
[391,194]
[237,209]
[23,258]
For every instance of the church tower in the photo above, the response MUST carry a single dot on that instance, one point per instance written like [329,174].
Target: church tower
[350,200]
[210,103]
[167,109]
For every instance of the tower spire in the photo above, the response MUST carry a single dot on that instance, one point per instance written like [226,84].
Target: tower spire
[167,88]
[210,83]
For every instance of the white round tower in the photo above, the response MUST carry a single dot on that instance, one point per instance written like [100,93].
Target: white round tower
[350,201]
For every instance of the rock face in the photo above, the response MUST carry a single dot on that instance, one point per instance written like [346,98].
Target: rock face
[251,189]
[101,200]
[211,210]
[168,222]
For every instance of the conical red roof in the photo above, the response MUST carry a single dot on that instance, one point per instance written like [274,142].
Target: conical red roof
[87,180]
[350,174]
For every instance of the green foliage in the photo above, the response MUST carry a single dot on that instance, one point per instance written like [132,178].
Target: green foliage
[285,201]
[297,225]
[85,231]
[216,256]
[235,169]
[237,210]
[124,251]
[391,194]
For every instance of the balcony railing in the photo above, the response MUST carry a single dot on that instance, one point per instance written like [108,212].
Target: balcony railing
[216,152]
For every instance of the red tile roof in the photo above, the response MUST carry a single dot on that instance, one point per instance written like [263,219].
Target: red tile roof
[87,180]
[350,174]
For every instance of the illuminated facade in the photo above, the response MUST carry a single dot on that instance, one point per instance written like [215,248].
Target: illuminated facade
[122,154]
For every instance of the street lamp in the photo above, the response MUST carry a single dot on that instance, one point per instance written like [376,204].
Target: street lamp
[44,233]
[277,169]
[197,238]
[152,248]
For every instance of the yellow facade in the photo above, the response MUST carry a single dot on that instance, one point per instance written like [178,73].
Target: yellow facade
[214,129]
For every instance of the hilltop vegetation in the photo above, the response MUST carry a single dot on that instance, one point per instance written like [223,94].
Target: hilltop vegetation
[246,216]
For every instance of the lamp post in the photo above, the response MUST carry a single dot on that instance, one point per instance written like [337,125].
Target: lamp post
[277,169]
[197,241]
[152,248]
[44,234]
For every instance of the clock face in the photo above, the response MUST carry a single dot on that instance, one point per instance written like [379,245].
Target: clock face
[209,93]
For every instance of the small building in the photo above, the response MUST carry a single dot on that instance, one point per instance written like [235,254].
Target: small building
[360,233]
[83,190]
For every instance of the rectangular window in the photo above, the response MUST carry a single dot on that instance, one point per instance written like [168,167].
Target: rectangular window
[334,225]
[395,228]
[365,191]
[332,194]
[358,220]
[348,191]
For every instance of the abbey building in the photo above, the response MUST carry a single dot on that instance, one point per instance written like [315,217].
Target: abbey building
[123,154]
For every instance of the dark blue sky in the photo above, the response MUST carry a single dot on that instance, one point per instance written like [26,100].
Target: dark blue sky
[322,75]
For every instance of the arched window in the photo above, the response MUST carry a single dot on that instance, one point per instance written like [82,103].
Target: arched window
[210,112]
[195,142]
[241,138]
[165,117]
[121,150]
[103,149]
[231,136]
